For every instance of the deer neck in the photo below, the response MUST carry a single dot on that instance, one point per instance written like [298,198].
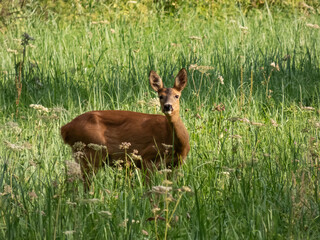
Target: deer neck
[180,134]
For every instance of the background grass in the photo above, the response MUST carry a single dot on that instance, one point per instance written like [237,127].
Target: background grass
[253,167]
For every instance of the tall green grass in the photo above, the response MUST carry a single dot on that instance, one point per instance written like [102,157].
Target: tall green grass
[253,167]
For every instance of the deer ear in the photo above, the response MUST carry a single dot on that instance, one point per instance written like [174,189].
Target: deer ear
[155,81]
[181,80]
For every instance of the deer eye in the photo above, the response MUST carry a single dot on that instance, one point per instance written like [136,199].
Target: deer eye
[160,97]
[176,96]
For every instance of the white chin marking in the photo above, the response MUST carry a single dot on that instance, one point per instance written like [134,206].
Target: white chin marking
[168,112]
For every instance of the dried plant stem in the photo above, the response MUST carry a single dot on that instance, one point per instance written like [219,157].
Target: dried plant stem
[18,86]
[267,84]
[241,87]
[167,213]
[251,85]
[18,79]
[194,84]
[201,79]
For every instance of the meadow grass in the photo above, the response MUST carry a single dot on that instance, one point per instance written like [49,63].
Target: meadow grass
[253,168]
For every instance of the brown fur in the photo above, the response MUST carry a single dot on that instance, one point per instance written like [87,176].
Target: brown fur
[147,133]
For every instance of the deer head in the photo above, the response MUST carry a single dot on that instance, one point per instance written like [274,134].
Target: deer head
[169,97]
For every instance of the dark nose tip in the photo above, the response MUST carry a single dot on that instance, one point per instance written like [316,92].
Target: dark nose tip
[167,107]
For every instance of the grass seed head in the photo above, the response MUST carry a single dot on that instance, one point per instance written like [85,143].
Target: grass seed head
[7,189]
[165,171]
[310,25]
[195,38]
[144,232]
[220,107]
[317,124]
[307,108]
[236,136]
[105,213]
[33,195]
[274,123]
[257,124]
[166,146]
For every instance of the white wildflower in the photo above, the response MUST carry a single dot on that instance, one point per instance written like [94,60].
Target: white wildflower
[236,136]
[161,189]
[165,171]
[184,189]
[78,146]
[243,28]
[275,66]
[124,223]
[14,127]
[136,157]
[90,200]
[78,156]
[69,232]
[155,210]
[153,103]
[17,146]
[58,109]
[202,69]
[73,171]
[7,189]
[124,145]
[106,213]
[220,78]
[15,52]
[39,107]
[97,147]
[308,108]
[167,182]
[71,203]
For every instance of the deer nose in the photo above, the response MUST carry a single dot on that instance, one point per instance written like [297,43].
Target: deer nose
[167,107]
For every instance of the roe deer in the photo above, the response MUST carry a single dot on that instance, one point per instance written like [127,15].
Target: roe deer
[148,134]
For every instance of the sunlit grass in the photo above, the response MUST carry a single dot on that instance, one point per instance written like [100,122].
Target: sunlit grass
[253,168]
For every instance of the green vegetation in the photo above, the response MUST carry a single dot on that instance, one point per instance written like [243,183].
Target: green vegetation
[251,107]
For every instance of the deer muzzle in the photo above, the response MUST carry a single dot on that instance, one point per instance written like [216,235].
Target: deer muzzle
[167,108]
